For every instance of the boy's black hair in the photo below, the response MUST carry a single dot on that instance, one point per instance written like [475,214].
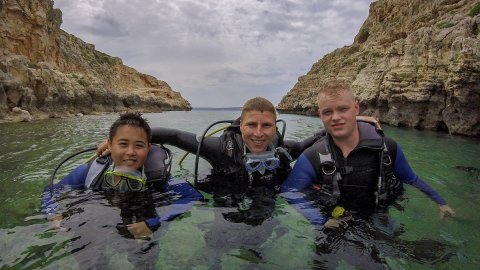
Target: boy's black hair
[133,119]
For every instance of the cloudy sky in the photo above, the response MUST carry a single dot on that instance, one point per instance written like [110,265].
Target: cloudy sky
[218,53]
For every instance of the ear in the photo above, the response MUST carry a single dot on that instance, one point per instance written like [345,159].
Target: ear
[109,144]
[357,108]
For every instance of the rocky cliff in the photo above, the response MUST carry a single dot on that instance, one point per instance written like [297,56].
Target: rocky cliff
[47,72]
[414,63]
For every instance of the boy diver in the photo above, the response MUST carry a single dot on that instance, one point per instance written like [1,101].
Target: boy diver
[135,167]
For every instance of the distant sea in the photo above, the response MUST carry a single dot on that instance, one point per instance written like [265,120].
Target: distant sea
[217,109]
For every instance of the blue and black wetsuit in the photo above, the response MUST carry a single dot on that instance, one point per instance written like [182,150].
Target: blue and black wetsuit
[88,176]
[360,170]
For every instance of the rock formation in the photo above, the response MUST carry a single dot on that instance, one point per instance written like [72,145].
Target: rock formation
[47,72]
[414,63]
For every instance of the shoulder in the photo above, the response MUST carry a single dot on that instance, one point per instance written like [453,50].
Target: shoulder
[392,145]
[317,146]
[77,176]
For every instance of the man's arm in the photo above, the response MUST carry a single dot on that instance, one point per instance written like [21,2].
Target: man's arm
[211,147]
[182,139]
[405,173]
[301,178]
[296,148]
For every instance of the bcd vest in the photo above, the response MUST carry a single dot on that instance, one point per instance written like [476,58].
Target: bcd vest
[156,168]
[363,180]
[232,166]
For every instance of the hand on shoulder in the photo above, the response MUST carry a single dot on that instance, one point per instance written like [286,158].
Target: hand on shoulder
[369,119]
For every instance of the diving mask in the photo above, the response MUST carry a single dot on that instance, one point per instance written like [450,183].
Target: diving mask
[122,179]
[261,162]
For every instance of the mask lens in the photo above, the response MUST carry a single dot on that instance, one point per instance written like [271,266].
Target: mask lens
[254,162]
[119,180]
[272,163]
[135,184]
[253,165]
[112,179]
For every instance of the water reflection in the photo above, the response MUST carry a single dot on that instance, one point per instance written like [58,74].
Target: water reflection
[376,243]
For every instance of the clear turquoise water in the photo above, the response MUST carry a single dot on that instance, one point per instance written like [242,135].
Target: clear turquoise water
[30,151]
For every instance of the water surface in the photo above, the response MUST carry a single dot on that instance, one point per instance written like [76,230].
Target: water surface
[411,238]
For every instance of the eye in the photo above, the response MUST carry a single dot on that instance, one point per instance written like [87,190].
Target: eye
[140,145]
[326,112]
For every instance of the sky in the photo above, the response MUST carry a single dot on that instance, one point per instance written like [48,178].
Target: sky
[218,53]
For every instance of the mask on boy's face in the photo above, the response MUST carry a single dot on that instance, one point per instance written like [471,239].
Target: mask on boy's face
[261,162]
[124,180]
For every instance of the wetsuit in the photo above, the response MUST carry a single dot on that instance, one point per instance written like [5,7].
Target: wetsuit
[243,202]
[81,178]
[216,151]
[163,199]
[359,179]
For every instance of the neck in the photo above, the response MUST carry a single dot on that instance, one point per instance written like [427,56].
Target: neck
[347,144]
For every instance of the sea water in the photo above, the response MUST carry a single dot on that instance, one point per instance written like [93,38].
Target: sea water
[410,236]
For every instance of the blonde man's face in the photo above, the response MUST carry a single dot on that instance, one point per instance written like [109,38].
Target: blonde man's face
[338,114]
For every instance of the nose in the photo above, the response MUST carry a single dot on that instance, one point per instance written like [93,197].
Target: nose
[131,150]
[335,116]
[258,131]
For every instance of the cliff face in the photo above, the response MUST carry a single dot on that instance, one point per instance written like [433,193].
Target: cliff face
[414,63]
[48,72]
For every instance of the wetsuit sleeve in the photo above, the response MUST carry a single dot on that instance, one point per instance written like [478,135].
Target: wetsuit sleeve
[405,173]
[295,148]
[187,196]
[75,179]
[301,178]
[187,141]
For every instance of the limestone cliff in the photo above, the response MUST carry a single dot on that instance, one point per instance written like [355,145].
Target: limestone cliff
[48,72]
[414,63]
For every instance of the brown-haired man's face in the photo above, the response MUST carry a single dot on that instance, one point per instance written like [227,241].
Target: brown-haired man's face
[258,129]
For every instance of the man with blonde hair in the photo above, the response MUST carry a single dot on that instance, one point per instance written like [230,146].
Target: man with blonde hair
[354,167]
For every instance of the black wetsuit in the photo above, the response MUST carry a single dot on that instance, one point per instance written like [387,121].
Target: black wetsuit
[244,203]
[225,165]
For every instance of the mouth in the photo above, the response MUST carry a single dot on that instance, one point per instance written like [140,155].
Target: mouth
[258,142]
[129,161]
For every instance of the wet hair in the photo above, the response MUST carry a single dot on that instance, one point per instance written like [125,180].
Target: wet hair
[258,104]
[133,119]
[334,88]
